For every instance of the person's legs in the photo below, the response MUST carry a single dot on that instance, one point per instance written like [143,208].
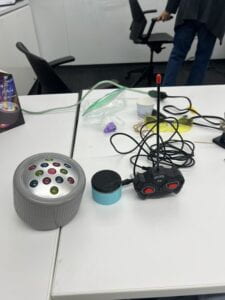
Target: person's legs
[206,43]
[183,39]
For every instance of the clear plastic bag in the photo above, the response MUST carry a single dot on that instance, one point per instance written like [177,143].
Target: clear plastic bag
[103,111]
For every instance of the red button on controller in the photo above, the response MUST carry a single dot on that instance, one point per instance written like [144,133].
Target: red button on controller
[172,185]
[149,190]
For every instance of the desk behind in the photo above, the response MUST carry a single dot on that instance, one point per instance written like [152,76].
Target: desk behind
[160,247]
[164,247]
[208,100]
[27,256]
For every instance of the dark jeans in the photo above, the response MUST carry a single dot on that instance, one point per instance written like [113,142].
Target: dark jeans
[184,36]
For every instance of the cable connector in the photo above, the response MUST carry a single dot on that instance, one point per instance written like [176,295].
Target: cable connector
[185,121]
[154,94]
[127,181]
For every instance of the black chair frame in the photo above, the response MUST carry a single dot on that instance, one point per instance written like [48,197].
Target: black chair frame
[154,41]
[48,81]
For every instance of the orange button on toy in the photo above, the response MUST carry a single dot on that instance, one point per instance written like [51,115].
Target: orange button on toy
[149,190]
[172,185]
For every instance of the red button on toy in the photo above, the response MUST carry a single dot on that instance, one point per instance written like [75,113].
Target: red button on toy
[32,167]
[46,180]
[56,164]
[51,171]
[70,180]
[149,190]
[172,185]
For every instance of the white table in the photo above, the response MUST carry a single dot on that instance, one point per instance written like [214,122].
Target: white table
[206,100]
[9,8]
[165,247]
[27,256]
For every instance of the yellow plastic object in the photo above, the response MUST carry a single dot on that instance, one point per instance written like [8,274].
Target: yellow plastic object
[185,125]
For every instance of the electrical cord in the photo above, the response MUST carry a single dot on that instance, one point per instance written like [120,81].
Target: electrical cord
[127,181]
[174,110]
[41,112]
[108,95]
[171,109]
[206,118]
[175,152]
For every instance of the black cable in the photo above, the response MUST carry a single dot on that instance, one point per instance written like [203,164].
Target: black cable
[172,152]
[174,110]
[127,181]
[206,118]
[180,111]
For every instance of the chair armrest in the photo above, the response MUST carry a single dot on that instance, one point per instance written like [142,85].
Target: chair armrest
[60,61]
[150,11]
[154,20]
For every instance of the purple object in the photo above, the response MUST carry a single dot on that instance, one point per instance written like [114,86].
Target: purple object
[110,127]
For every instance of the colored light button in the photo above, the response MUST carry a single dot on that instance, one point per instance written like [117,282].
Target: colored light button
[54,190]
[44,165]
[63,171]
[46,180]
[32,167]
[67,166]
[149,190]
[70,180]
[59,179]
[51,171]
[172,185]
[39,173]
[33,183]
[49,159]
[56,164]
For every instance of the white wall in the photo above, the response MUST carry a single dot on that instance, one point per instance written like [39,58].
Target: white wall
[18,26]
[95,31]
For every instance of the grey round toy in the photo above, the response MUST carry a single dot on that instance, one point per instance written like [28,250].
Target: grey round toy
[48,188]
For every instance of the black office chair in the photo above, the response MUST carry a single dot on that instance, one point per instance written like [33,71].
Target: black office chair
[48,81]
[153,40]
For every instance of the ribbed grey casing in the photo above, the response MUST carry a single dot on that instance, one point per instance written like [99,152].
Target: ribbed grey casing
[45,213]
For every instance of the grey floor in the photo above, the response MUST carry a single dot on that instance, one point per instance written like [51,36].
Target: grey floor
[83,77]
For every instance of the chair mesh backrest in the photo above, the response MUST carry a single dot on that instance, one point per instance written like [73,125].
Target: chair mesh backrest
[49,80]
[139,21]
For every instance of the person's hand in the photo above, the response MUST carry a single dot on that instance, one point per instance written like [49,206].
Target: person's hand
[165,16]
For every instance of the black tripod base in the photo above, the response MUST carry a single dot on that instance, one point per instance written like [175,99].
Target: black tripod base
[220,140]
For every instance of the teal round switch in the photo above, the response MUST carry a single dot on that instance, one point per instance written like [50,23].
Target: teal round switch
[106,187]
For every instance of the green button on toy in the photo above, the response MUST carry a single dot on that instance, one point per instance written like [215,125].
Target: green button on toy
[54,190]
[39,173]
[63,171]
